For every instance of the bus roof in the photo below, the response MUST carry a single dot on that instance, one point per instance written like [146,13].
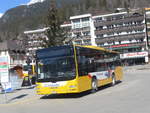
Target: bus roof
[97,48]
[84,46]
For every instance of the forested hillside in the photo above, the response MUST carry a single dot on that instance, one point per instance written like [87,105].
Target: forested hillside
[28,17]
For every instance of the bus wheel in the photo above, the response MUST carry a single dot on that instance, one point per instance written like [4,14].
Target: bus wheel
[94,85]
[113,80]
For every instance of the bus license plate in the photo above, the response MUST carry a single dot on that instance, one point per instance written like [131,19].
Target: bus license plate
[51,85]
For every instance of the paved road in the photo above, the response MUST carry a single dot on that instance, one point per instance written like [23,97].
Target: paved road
[130,96]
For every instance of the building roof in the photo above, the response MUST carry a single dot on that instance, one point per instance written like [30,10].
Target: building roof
[10,45]
[110,14]
[36,31]
[80,16]
[66,25]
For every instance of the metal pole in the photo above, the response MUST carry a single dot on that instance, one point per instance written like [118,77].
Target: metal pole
[5,95]
[146,35]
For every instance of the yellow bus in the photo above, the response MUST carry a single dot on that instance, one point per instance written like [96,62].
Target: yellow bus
[29,70]
[75,69]
[29,74]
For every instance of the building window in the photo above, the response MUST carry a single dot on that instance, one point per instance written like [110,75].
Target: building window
[76,24]
[100,36]
[86,33]
[85,22]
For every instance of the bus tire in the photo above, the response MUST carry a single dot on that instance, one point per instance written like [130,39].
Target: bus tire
[94,85]
[113,80]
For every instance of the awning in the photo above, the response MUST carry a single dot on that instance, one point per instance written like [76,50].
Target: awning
[125,47]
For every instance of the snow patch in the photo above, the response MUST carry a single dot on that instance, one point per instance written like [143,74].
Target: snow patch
[1,14]
[35,1]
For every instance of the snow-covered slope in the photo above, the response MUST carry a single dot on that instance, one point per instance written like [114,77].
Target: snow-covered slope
[34,1]
[1,15]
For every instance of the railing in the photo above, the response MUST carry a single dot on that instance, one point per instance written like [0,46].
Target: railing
[81,38]
[77,30]
[129,45]
[84,29]
[118,21]
[120,29]
[120,38]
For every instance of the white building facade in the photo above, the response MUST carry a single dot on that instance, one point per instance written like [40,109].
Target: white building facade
[122,31]
[83,29]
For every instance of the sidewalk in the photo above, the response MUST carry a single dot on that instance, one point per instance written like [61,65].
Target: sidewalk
[136,67]
[23,94]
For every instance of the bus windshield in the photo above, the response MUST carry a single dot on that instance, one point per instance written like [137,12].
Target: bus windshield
[56,69]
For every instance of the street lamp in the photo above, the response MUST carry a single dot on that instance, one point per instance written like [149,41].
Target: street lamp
[72,40]
[81,38]
[146,35]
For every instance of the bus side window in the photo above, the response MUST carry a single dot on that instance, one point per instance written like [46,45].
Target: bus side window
[110,65]
[118,63]
[82,65]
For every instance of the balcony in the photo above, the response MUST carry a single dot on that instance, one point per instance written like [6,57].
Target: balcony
[86,29]
[83,29]
[119,21]
[141,44]
[120,38]
[78,30]
[148,33]
[120,29]
[82,38]
[86,37]
[35,45]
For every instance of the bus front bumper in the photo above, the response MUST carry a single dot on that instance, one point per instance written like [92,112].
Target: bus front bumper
[47,90]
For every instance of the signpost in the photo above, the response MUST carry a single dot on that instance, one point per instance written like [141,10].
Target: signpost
[4,75]
[4,71]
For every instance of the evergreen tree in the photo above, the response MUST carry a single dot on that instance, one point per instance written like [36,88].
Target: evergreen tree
[55,33]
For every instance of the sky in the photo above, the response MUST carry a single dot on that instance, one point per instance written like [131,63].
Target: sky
[7,4]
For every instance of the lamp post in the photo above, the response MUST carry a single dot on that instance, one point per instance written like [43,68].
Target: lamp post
[81,38]
[146,35]
[72,40]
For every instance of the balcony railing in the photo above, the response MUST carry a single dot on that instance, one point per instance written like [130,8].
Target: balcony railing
[124,20]
[141,44]
[84,29]
[84,38]
[148,33]
[77,30]
[120,38]
[120,29]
